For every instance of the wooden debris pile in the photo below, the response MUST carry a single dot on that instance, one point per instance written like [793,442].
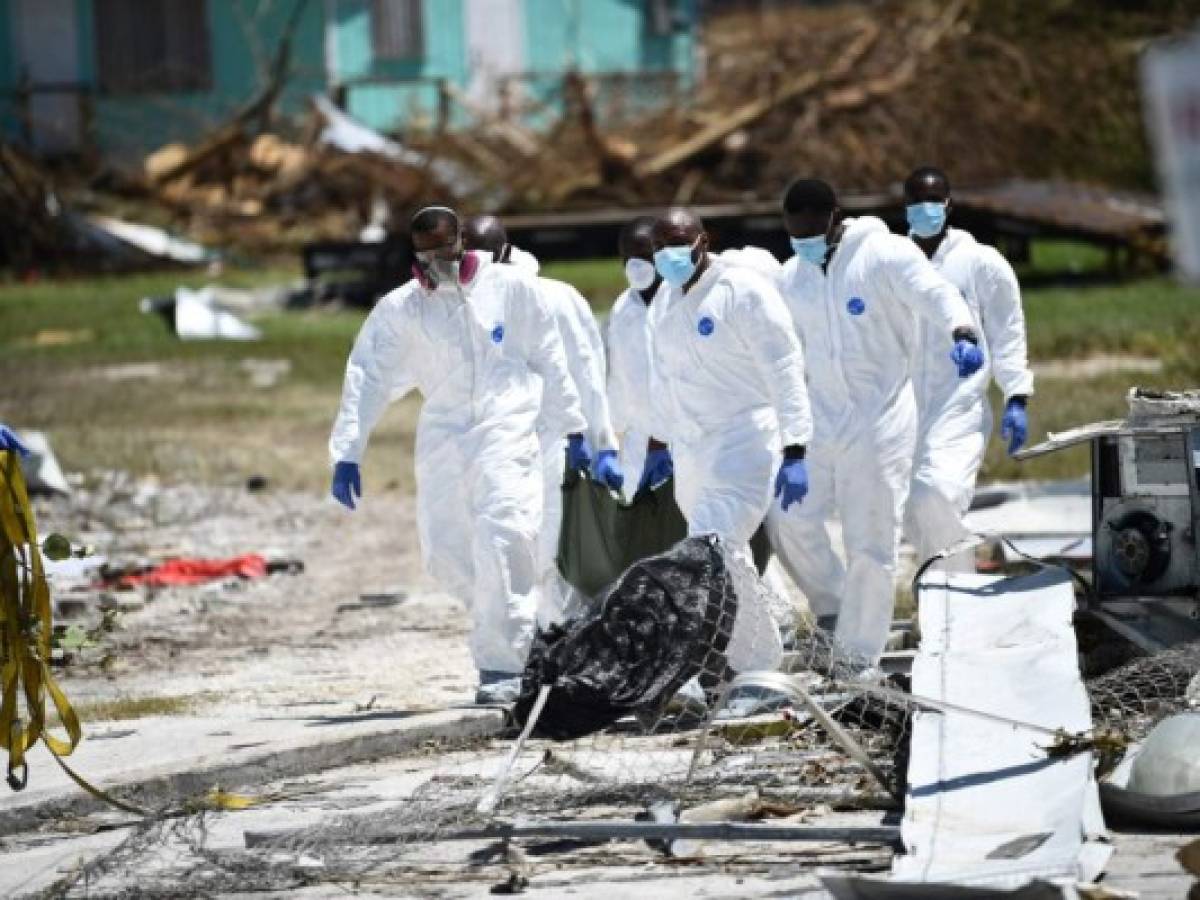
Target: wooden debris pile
[858,94]
[31,227]
[262,190]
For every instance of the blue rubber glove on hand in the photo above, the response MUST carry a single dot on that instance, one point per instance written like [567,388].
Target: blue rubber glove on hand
[607,470]
[658,468]
[579,454]
[10,441]
[347,484]
[968,357]
[791,484]
[1014,427]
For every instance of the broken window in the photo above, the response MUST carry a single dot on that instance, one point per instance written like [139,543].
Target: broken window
[396,29]
[153,45]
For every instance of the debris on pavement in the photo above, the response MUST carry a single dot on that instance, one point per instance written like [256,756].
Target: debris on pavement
[183,571]
[43,474]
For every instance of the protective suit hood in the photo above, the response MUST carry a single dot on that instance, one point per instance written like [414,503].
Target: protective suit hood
[523,260]
[955,239]
[754,258]
[857,230]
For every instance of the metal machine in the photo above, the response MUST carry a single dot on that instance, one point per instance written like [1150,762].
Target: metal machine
[1145,516]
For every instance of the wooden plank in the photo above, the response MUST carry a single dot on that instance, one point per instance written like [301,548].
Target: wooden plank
[756,109]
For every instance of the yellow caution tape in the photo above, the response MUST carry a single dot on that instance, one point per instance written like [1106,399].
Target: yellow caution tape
[26,623]
[25,630]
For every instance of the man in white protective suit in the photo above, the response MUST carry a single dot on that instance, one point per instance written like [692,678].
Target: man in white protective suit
[479,343]
[854,290]
[729,401]
[584,350]
[955,419]
[628,347]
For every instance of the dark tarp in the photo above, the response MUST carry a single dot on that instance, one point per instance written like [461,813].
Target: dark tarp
[667,620]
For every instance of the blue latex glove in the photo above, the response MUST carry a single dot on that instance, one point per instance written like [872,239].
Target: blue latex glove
[607,470]
[1014,427]
[791,484]
[347,484]
[968,357]
[658,468]
[579,454]
[10,441]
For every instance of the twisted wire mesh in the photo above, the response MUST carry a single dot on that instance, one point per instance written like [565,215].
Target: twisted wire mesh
[1134,697]
[765,757]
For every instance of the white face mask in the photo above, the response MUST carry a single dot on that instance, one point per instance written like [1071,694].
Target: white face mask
[640,273]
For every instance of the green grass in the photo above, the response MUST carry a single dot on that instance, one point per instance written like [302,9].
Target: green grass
[121,709]
[600,280]
[201,418]
[1063,257]
[1154,317]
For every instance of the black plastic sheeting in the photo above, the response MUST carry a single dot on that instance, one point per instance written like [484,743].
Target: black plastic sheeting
[667,620]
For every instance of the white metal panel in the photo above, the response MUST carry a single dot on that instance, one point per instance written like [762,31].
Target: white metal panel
[1005,647]
[495,46]
[1064,439]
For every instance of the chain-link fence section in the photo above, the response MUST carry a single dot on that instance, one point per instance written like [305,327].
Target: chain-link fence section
[1132,698]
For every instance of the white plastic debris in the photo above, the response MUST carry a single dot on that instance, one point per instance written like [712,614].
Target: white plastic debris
[348,135]
[153,240]
[42,472]
[1169,761]
[198,318]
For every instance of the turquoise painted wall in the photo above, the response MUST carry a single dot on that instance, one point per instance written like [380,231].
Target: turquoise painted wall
[603,36]
[606,37]
[133,123]
[597,36]
[8,112]
[387,106]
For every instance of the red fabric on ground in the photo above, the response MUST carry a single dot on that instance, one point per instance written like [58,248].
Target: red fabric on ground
[197,571]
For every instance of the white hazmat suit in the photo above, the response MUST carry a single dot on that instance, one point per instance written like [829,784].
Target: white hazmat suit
[628,343]
[584,350]
[488,360]
[954,416]
[857,324]
[727,390]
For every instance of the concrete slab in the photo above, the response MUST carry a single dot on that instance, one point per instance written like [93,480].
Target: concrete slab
[155,762]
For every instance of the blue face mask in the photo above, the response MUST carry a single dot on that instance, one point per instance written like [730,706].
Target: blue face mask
[675,264]
[926,220]
[811,249]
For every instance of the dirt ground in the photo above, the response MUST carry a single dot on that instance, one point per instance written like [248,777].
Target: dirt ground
[280,640]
